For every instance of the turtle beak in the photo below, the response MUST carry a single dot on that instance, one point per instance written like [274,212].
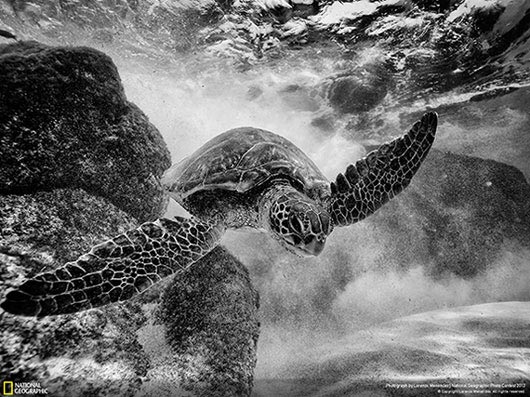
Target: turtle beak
[314,248]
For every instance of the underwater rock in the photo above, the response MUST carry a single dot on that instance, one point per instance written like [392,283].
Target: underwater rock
[491,124]
[208,330]
[460,215]
[358,92]
[94,352]
[350,95]
[210,318]
[65,122]
[59,224]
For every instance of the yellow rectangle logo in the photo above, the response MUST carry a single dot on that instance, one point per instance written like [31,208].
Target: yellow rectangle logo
[8,388]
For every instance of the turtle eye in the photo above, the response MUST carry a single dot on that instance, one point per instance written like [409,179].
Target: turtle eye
[296,224]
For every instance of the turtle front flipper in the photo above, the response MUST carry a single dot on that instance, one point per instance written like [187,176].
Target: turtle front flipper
[381,175]
[117,269]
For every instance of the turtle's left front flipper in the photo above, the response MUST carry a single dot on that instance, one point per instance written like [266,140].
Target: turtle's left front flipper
[116,269]
[382,174]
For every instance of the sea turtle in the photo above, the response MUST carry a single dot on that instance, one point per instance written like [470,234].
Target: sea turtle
[245,177]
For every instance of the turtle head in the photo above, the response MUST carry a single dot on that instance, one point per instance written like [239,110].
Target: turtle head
[300,224]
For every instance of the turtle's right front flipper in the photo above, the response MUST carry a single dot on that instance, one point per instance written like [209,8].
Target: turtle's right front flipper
[382,174]
[117,269]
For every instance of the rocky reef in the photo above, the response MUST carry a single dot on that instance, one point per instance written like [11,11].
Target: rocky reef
[66,123]
[80,164]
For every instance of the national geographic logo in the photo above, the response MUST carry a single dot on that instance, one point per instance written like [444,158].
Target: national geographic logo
[10,388]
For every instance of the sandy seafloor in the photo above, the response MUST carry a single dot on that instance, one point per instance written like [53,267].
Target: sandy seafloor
[480,350]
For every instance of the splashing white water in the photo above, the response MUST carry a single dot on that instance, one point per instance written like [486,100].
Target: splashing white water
[190,112]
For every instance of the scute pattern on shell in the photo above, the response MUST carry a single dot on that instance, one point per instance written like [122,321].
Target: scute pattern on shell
[241,159]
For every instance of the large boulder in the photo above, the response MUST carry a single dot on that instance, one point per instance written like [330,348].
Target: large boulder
[458,215]
[493,124]
[360,90]
[65,122]
[350,94]
[210,322]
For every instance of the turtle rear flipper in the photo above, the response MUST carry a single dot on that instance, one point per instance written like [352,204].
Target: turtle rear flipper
[117,269]
[381,175]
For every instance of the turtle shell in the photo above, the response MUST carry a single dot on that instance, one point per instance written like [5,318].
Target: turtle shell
[242,159]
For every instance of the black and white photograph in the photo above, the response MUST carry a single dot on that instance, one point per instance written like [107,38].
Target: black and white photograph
[264,198]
